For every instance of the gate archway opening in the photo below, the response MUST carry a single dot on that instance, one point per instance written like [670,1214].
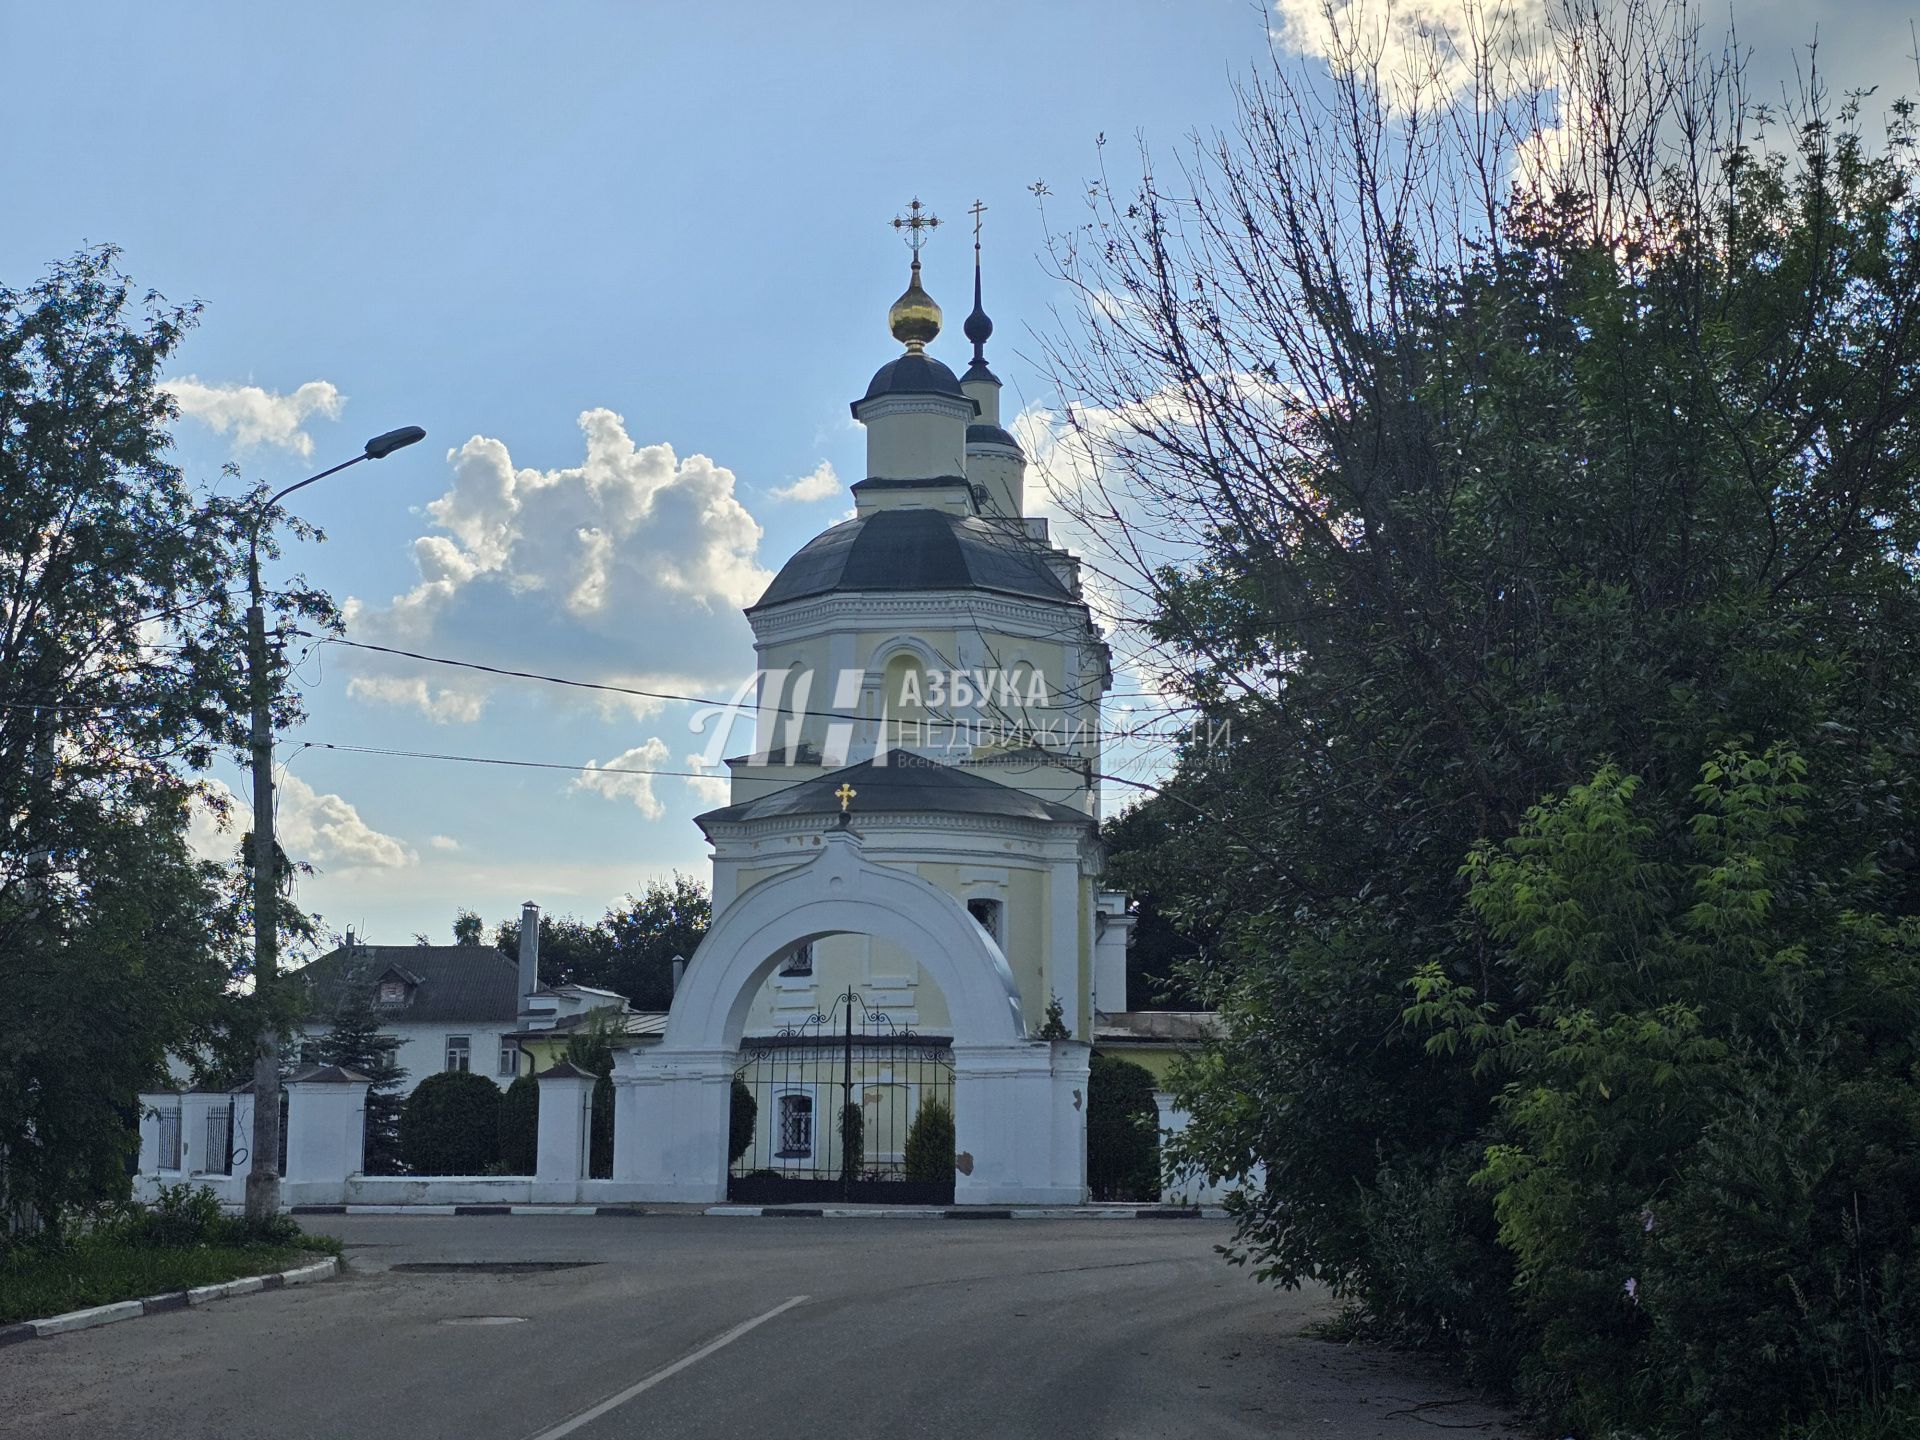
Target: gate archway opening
[850,1105]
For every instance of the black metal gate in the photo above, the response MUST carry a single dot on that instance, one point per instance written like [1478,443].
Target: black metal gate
[846,1106]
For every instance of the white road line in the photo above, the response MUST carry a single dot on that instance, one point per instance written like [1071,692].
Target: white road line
[587,1417]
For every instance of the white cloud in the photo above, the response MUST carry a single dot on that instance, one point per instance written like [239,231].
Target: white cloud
[257,416]
[606,779]
[1420,48]
[821,483]
[444,842]
[313,827]
[628,569]
[715,789]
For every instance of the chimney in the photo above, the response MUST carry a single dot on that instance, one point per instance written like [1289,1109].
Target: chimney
[349,945]
[529,950]
[679,969]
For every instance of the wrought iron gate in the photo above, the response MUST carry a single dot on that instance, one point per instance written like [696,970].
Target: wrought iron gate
[835,1101]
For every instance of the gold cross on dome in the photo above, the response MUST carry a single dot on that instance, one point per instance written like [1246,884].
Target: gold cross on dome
[917,222]
[845,796]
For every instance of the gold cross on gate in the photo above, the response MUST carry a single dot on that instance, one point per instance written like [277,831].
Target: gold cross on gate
[916,222]
[845,796]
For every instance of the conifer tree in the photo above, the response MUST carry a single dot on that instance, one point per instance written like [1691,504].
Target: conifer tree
[356,1042]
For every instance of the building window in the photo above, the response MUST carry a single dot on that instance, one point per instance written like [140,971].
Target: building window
[393,992]
[459,1052]
[509,1058]
[800,961]
[795,1140]
[987,913]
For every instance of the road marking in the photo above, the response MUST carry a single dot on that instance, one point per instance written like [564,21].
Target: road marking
[587,1417]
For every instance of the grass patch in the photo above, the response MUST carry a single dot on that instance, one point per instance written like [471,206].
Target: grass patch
[37,1283]
[179,1241]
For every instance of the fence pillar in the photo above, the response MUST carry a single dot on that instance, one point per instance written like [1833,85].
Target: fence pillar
[1004,1122]
[326,1132]
[1072,1060]
[565,1136]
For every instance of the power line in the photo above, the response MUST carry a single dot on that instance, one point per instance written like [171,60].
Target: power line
[602,686]
[590,769]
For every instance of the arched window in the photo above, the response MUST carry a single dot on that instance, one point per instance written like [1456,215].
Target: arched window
[905,700]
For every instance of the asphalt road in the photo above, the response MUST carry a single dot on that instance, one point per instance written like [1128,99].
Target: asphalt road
[688,1326]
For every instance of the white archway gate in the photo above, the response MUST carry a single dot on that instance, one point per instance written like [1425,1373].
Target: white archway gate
[1019,1104]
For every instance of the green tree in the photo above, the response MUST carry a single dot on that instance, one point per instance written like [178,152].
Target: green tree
[119,681]
[1453,473]
[668,919]
[853,1140]
[592,1050]
[930,1144]
[743,1111]
[468,929]
[355,1041]
[1123,1131]
[450,1124]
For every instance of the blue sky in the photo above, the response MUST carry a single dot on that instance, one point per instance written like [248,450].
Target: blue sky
[491,220]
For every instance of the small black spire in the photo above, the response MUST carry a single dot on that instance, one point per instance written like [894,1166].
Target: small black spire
[978,327]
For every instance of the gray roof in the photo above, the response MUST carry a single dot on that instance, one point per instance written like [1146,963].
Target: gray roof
[444,982]
[991,435]
[915,550]
[912,375]
[900,782]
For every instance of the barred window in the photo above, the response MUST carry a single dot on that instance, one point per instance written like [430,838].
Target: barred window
[796,1127]
[987,915]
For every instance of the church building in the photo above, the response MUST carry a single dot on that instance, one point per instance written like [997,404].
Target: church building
[908,915]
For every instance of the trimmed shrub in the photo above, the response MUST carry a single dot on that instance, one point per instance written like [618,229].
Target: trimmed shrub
[744,1111]
[520,1126]
[451,1124]
[930,1144]
[1123,1132]
[853,1140]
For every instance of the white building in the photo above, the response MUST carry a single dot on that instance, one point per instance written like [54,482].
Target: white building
[453,1007]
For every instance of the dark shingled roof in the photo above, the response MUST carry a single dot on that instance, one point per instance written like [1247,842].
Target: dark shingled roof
[915,550]
[898,783]
[912,375]
[445,982]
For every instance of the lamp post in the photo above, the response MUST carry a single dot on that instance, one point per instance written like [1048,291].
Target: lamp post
[263,1171]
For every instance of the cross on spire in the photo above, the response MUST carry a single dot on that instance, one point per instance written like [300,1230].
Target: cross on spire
[917,222]
[977,209]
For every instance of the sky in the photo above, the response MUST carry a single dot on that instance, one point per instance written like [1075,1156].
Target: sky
[627,263]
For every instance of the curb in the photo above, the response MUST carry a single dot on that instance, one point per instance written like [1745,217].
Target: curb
[801,1212]
[98,1315]
[971,1212]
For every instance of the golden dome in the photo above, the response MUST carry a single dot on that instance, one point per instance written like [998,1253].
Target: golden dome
[914,318]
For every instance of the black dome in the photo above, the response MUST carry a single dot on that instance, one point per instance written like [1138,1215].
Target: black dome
[913,375]
[915,550]
[991,435]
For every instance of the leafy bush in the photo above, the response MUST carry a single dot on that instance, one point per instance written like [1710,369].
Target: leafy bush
[742,1113]
[451,1124]
[1123,1131]
[930,1144]
[520,1127]
[853,1140]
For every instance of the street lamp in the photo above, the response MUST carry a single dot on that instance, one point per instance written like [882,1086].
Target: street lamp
[263,1172]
